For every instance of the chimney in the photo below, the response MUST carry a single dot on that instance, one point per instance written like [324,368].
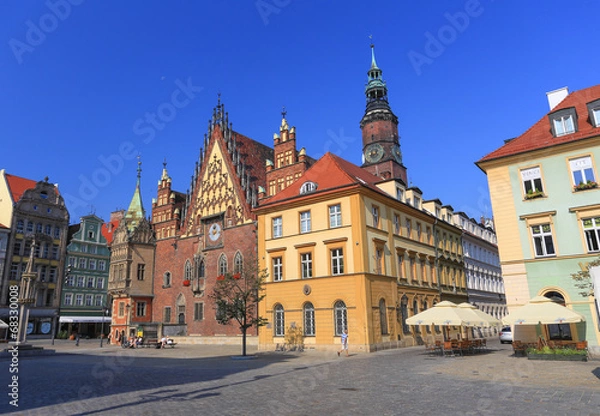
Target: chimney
[556,96]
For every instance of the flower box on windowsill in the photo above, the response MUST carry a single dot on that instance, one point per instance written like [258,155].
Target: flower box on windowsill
[533,195]
[220,277]
[186,282]
[584,186]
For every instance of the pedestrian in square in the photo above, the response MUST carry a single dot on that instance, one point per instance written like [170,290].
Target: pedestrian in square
[344,343]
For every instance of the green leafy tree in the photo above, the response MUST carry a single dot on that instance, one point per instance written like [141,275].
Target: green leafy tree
[583,280]
[236,297]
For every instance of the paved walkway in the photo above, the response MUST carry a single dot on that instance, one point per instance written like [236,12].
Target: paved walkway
[203,379]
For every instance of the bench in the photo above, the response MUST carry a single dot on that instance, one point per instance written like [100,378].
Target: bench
[170,344]
[150,343]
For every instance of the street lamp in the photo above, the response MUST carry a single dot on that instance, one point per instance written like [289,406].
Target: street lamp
[104,313]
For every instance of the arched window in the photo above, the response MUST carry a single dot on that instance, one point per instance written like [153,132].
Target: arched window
[279,319]
[416,311]
[238,262]
[187,273]
[404,314]
[425,306]
[201,269]
[222,265]
[341,318]
[167,279]
[309,320]
[180,309]
[383,317]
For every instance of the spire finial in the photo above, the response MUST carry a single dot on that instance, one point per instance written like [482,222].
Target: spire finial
[373,63]
[283,112]
[219,99]
[139,168]
[165,163]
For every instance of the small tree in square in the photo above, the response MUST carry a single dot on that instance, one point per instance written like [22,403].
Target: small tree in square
[236,297]
[583,279]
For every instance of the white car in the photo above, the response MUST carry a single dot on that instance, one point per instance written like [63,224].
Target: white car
[506,335]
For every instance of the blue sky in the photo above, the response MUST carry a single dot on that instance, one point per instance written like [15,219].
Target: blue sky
[80,80]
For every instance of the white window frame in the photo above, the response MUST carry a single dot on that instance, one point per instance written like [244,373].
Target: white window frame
[335,216]
[79,299]
[279,320]
[583,167]
[68,299]
[564,125]
[591,230]
[531,178]
[540,234]
[337,261]
[375,215]
[305,223]
[309,319]
[277,268]
[306,269]
[277,227]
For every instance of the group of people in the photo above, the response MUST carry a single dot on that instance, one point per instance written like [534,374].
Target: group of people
[164,341]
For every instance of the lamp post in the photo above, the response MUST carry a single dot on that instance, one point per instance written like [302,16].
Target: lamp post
[104,313]
[27,295]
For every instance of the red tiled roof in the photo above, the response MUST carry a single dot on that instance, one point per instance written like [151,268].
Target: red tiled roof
[540,136]
[3,226]
[108,230]
[18,186]
[329,172]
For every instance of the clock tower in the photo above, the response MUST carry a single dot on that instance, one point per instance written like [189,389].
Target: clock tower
[381,143]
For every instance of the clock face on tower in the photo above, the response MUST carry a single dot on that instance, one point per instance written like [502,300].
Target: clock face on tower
[214,232]
[373,153]
[397,153]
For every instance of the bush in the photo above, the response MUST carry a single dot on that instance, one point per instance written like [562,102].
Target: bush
[61,335]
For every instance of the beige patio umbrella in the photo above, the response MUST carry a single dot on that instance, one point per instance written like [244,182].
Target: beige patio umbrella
[478,317]
[445,313]
[541,309]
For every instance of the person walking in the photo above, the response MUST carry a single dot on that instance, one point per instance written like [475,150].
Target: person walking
[344,343]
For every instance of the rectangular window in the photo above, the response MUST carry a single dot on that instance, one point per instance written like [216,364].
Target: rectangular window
[408,227]
[102,265]
[46,251]
[306,265]
[417,202]
[140,309]
[93,249]
[79,299]
[419,231]
[14,271]
[277,269]
[305,222]
[564,125]
[140,271]
[52,274]
[378,260]
[596,114]
[82,263]
[20,226]
[167,314]
[17,248]
[399,194]
[68,299]
[70,281]
[277,227]
[88,300]
[337,261]
[84,248]
[98,300]
[80,281]
[198,311]
[335,216]
[54,252]
[72,261]
[99,283]
[396,224]
[56,232]
[400,265]
[90,281]
[542,240]
[375,214]
[29,227]
[582,170]
[92,264]
[532,181]
[122,309]
[591,227]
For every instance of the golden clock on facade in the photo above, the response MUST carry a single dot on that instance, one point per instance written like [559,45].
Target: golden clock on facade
[373,153]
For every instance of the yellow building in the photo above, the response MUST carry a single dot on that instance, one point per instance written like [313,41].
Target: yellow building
[343,253]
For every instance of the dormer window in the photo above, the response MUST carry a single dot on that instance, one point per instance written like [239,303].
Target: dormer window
[594,112]
[308,187]
[563,122]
